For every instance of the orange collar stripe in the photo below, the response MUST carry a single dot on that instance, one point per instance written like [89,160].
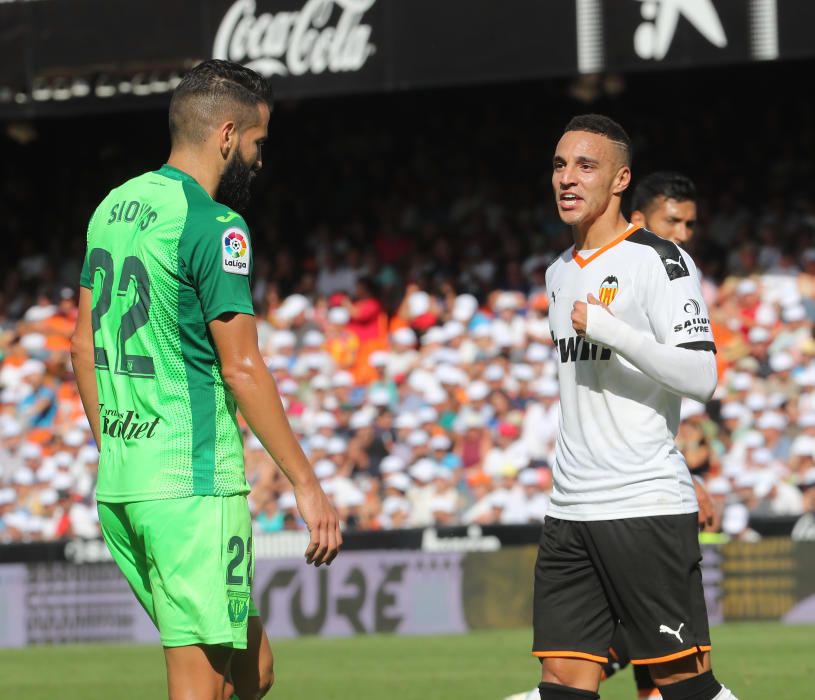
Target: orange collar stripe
[596,254]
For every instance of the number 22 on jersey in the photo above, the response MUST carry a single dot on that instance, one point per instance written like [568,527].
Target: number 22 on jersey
[134,287]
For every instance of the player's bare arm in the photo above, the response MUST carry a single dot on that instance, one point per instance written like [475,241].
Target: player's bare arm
[82,359]
[255,391]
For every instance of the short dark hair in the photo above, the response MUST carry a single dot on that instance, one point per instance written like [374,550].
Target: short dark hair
[215,90]
[663,183]
[600,124]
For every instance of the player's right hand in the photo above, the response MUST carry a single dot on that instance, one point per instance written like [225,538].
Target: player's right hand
[580,313]
[323,524]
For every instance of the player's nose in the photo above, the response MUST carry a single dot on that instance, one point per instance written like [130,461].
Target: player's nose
[567,176]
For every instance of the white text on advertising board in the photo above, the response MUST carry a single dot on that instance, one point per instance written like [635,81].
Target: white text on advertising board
[296,43]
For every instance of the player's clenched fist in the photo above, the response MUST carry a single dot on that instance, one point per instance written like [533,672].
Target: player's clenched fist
[323,524]
[580,315]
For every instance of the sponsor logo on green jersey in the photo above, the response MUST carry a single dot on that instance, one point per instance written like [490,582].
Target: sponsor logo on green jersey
[226,218]
[127,425]
[236,251]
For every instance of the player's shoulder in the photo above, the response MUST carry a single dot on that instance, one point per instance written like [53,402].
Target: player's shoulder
[210,212]
[674,261]
[207,218]
[123,193]
[559,260]
[211,226]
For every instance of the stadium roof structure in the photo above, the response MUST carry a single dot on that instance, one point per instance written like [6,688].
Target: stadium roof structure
[68,57]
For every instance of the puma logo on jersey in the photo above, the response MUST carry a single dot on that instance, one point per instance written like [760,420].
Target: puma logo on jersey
[577,349]
[675,267]
[664,629]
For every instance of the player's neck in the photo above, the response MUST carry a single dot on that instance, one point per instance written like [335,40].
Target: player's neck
[599,232]
[192,164]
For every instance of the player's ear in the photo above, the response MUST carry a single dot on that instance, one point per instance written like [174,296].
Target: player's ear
[622,179]
[638,218]
[227,138]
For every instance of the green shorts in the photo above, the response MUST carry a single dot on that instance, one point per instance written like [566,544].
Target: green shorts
[190,563]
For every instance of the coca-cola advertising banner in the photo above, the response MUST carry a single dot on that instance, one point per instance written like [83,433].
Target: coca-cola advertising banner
[81,55]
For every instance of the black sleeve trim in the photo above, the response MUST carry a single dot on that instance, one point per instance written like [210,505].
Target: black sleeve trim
[699,345]
[675,266]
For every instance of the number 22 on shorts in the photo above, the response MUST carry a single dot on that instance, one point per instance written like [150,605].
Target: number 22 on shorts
[239,551]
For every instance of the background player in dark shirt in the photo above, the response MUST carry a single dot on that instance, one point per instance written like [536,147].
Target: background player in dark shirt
[665,203]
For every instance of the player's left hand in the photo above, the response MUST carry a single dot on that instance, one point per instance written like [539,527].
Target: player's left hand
[705,505]
[580,314]
[322,522]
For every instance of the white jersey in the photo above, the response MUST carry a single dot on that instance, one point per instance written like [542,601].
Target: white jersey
[615,455]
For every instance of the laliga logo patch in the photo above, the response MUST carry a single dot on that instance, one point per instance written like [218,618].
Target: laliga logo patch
[609,289]
[236,252]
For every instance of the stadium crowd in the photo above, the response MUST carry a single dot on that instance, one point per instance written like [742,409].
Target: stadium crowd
[443,413]
[408,331]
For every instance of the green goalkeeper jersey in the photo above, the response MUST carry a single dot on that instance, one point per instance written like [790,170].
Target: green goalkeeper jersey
[163,260]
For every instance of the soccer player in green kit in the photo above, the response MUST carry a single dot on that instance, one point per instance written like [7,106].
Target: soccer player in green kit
[164,351]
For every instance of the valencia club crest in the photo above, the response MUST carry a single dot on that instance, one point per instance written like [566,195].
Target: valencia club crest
[608,290]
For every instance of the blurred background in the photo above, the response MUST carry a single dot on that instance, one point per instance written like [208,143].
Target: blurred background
[402,225]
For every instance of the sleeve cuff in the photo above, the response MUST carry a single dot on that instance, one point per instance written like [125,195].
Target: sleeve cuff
[228,308]
[699,345]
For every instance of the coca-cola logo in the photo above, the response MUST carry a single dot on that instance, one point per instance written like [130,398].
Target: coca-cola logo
[295,43]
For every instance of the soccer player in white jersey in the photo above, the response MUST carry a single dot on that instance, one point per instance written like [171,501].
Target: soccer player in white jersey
[663,202]
[619,544]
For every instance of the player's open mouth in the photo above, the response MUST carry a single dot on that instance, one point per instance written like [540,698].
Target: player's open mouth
[568,201]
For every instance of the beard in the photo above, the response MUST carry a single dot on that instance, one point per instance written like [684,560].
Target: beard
[233,189]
